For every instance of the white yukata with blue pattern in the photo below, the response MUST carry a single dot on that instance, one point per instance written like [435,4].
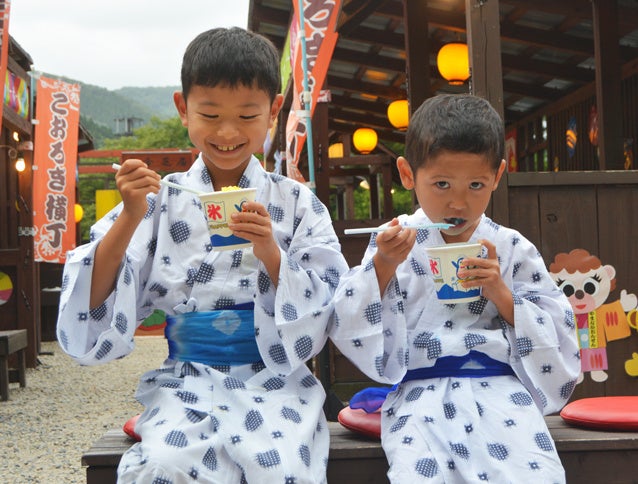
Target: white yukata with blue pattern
[252,423]
[452,429]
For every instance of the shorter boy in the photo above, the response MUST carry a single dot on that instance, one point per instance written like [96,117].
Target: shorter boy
[474,379]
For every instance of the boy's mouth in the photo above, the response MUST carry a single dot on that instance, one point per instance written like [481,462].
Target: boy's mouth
[454,220]
[227,147]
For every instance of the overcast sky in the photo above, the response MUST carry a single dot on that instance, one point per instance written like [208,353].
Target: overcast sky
[117,43]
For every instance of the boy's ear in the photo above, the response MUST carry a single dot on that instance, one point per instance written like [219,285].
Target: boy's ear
[499,174]
[405,172]
[275,108]
[180,104]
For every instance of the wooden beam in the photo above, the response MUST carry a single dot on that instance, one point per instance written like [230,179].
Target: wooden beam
[608,97]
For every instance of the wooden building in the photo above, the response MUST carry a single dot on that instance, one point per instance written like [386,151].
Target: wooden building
[564,76]
[21,309]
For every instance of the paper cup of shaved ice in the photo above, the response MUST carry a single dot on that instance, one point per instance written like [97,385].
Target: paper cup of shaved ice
[444,263]
[218,207]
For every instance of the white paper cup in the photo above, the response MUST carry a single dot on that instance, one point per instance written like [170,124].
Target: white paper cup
[218,207]
[445,262]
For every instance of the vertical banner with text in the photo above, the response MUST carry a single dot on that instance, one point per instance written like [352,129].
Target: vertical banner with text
[320,21]
[55,161]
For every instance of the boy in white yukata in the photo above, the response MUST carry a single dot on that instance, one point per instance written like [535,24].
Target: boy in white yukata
[474,379]
[234,402]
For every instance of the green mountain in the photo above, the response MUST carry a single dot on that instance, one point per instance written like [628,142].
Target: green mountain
[104,112]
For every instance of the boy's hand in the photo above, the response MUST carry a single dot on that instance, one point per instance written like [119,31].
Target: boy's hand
[393,247]
[134,181]
[486,273]
[254,224]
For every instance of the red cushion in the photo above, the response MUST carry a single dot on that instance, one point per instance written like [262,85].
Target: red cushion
[357,420]
[129,428]
[609,413]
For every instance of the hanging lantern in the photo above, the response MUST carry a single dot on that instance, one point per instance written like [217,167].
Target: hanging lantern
[78,212]
[335,150]
[454,63]
[399,114]
[20,165]
[365,140]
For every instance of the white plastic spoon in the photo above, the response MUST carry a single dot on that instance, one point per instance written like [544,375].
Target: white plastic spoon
[163,181]
[374,230]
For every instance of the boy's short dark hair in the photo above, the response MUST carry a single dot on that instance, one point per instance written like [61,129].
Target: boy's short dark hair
[231,57]
[458,123]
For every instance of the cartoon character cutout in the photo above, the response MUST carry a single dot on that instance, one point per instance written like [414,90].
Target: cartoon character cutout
[587,284]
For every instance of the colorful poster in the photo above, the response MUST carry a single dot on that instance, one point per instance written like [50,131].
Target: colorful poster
[5,7]
[320,20]
[54,170]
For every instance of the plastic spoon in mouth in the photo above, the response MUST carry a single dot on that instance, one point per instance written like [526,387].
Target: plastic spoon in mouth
[374,230]
[167,183]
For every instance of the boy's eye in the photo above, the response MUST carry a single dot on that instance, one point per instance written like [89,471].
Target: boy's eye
[442,184]
[209,116]
[253,116]
[476,185]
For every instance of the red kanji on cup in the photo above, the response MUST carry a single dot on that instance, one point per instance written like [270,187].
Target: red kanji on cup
[214,211]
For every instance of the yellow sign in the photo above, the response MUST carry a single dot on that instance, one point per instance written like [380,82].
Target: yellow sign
[105,200]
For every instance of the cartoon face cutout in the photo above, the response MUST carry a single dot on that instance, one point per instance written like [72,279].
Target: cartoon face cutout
[586,291]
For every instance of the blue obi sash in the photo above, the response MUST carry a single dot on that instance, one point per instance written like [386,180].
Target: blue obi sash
[215,338]
[473,365]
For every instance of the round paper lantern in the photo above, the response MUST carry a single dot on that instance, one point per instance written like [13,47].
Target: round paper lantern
[399,114]
[335,150]
[454,63]
[365,140]
[78,212]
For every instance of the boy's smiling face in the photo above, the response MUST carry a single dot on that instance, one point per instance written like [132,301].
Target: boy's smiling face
[227,125]
[453,185]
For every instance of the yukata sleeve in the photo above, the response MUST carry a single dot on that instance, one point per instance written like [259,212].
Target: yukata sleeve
[370,327]
[104,333]
[291,320]
[544,348]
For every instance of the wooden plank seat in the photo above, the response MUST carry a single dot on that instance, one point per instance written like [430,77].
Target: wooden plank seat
[589,456]
[12,341]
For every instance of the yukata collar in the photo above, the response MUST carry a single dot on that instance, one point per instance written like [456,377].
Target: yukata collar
[199,178]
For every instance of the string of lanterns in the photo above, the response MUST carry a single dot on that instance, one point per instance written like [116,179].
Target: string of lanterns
[453,63]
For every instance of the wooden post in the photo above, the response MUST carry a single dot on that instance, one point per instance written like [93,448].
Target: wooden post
[484,44]
[320,143]
[608,97]
[417,52]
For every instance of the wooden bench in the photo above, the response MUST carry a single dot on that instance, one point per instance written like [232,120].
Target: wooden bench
[12,341]
[589,456]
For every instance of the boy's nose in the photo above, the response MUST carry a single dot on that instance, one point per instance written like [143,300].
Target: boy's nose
[227,130]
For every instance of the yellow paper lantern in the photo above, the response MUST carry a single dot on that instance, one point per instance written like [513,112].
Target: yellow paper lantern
[399,114]
[335,150]
[78,212]
[454,63]
[365,140]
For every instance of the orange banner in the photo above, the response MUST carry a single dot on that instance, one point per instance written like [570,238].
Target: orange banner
[55,161]
[5,8]
[320,20]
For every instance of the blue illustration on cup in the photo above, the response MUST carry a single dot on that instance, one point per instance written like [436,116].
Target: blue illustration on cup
[448,284]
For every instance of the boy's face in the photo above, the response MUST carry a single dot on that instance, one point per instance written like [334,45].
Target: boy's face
[453,185]
[227,125]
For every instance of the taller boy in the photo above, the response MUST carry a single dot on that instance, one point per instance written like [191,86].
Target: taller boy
[234,402]
[474,379]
